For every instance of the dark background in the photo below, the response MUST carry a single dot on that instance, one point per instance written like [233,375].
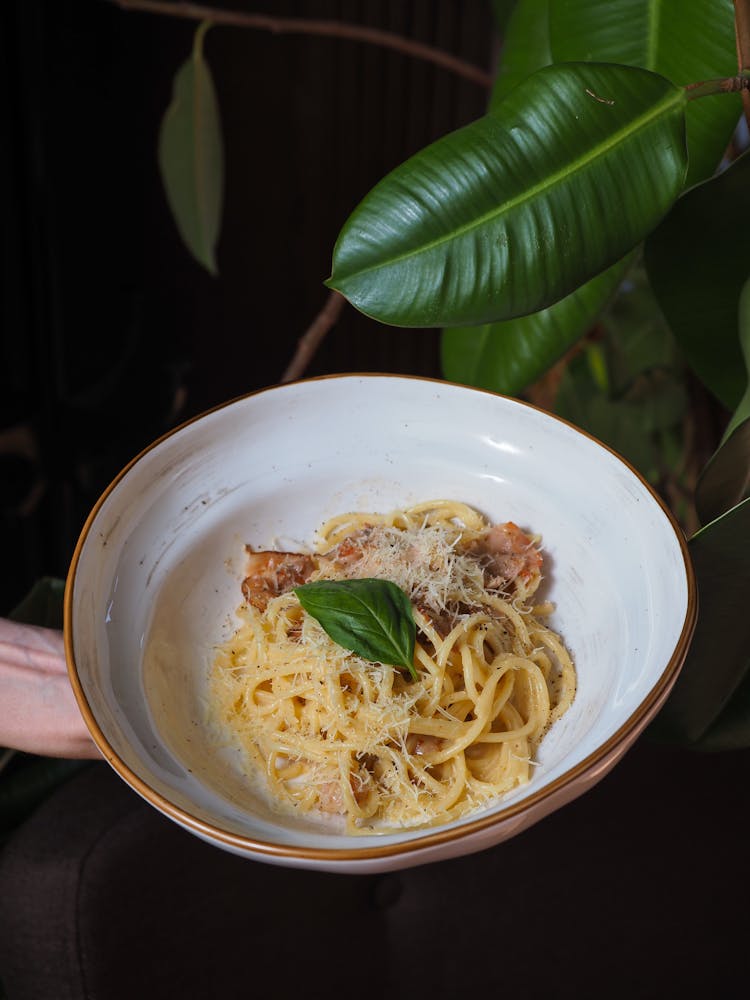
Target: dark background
[111,333]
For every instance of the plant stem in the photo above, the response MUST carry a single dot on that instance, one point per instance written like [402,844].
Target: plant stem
[727,85]
[313,336]
[742,35]
[306,26]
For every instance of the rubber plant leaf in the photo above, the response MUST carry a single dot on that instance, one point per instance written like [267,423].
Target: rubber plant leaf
[191,156]
[725,481]
[685,42]
[697,275]
[502,10]
[525,47]
[504,216]
[633,422]
[507,357]
[716,667]
[372,618]
[731,729]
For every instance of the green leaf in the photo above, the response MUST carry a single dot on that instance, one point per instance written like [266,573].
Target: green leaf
[191,156]
[627,387]
[501,12]
[716,667]
[725,481]
[525,47]
[372,618]
[731,729]
[742,413]
[697,271]
[638,338]
[627,424]
[507,357]
[685,42]
[504,217]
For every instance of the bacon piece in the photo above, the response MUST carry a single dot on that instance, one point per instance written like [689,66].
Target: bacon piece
[331,796]
[420,744]
[442,621]
[272,573]
[512,559]
[350,549]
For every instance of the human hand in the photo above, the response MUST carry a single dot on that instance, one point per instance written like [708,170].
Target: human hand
[38,710]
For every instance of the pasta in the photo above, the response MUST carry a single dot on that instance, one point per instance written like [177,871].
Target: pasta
[330,733]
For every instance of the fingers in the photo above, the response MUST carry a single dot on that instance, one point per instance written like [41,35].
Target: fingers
[38,710]
[32,646]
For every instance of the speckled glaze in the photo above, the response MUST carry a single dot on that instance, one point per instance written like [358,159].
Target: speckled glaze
[155,580]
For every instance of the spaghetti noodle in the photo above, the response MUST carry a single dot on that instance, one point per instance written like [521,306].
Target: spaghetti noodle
[331,733]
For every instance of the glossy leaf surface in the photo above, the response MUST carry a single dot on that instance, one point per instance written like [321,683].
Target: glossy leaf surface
[191,156]
[716,668]
[507,357]
[697,274]
[525,47]
[505,216]
[684,41]
[725,481]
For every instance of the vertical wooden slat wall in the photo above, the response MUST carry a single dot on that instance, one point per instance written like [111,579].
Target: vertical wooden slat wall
[107,320]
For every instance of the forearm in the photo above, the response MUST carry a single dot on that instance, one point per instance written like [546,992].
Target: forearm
[38,711]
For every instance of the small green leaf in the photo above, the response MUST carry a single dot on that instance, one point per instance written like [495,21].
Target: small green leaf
[716,668]
[742,413]
[505,216]
[191,156]
[627,386]
[697,273]
[725,481]
[372,618]
[638,337]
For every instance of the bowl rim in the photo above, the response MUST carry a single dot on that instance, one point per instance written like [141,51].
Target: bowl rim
[432,837]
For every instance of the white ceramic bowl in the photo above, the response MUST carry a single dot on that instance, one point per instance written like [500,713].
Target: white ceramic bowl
[155,580]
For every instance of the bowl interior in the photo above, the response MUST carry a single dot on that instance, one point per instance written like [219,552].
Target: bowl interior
[157,577]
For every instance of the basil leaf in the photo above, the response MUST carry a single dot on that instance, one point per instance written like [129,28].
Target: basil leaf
[372,618]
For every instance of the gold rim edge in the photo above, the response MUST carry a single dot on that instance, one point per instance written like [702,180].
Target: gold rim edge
[635,722]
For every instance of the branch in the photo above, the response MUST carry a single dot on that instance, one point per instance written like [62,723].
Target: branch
[742,34]
[725,85]
[313,336]
[305,26]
